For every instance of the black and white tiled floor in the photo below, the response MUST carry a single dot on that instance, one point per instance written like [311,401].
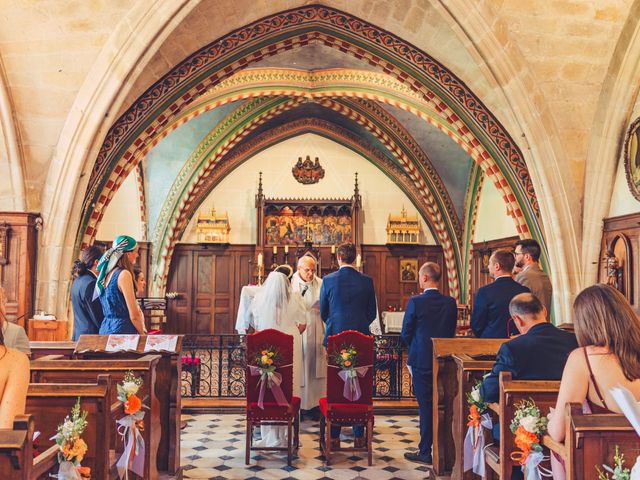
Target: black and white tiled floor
[213,448]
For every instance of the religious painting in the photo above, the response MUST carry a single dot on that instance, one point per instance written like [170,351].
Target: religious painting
[326,226]
[632,158]
[408,270]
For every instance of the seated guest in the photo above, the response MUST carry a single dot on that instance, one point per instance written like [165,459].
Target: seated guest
[539,353]
[608,330]
[429,315]
[490,315]
[114,287]
[87,311]
[14,376]
[13,334]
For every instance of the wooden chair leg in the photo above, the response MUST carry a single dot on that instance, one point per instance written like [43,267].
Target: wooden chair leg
[296,431]
[327,443]
[248,442]
[289,441]
[322,437]
[369,441]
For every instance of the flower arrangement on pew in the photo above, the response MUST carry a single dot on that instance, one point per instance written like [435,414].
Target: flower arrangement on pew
[528,426]
[618,472]
[72,447]
[266,363]
[473,447]
[130,427]
[346,360]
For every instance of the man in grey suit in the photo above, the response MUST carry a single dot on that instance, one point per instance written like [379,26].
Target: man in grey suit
[527,253]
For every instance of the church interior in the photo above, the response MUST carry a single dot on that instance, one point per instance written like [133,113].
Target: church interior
[230,138]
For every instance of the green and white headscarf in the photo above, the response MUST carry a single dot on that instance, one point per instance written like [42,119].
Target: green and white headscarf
[120,245]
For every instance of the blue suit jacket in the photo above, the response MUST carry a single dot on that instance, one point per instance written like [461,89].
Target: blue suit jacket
[430,315]
[490,312]
[87,313]
[539,354]
[347,302]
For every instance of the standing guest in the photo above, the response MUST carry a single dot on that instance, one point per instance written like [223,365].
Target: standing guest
[608,332]
[306,286]
[275,307]
[490,316]
[14,376]
[430,315]
[13,335]
[527,255]
[539,353]
[140,282]
[87,311]
[347,302]
[116,291]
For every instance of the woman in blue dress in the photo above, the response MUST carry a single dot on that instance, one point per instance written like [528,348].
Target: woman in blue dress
[115,289]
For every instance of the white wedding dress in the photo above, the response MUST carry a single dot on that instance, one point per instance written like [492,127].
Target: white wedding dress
[275,307]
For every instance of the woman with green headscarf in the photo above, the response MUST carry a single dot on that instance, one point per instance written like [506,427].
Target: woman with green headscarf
[115,289]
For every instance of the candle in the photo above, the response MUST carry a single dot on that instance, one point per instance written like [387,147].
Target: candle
[333,249]
[286,249]
[260,260]
[358,260]
[275,249]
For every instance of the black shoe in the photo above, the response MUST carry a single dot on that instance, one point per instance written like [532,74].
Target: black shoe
[418,458]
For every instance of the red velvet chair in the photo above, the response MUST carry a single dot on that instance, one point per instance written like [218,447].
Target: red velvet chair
[273,413]
[336,409]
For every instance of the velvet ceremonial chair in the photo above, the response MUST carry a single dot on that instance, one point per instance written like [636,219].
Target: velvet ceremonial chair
[276,409]
[336,408]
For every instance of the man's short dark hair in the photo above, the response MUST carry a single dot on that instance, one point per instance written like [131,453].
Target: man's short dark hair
[525,304]
[347,252]
[531,247]
[431,270]
[505,258]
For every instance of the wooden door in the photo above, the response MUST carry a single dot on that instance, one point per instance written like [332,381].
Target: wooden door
[202,314]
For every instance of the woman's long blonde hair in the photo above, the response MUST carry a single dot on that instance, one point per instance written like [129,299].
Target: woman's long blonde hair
[604,318]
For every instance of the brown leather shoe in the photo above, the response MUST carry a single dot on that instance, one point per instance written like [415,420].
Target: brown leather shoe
[359,442]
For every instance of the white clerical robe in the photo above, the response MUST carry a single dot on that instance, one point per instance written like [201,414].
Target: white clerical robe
[314,355]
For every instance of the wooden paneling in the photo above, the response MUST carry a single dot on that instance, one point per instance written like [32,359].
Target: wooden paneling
[479,276]
[622,234]
[17,276]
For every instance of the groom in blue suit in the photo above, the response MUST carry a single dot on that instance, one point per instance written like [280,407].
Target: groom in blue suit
[429,315]
[347,302]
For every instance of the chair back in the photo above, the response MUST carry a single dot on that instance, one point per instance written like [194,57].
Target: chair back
[364,358]
[282,344]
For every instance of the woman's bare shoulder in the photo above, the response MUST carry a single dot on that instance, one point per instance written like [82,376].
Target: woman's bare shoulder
[15,358]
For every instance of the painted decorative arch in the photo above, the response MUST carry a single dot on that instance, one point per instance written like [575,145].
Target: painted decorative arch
[215,172]
[291,29]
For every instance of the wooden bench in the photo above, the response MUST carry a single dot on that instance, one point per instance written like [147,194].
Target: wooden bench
[168,390]
[591,440]
[16,453]
[41,349]
[445,389]
[543,392]
[49,404]
[469,370]
[49,369]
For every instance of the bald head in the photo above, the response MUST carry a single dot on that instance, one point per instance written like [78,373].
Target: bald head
[306,267]
[527,311]
[430,274]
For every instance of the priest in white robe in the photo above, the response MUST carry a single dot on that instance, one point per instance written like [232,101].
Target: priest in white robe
[306,285]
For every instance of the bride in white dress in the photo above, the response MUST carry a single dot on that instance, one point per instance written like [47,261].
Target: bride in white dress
[275,307]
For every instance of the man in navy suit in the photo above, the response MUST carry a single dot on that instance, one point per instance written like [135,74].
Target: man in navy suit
[539,353]
[490,316]
[347,302]
[429,315]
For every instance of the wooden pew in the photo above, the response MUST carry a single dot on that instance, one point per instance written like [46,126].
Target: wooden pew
[469,370]
[16,453]
[591,441]
[168,390]
[49,404]
[543,392]
[40,349]
[445,389]
[46,370]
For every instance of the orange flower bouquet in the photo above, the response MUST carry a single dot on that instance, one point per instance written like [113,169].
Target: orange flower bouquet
[131,426]
[266,362]
[473,447]
[528,426]
[72,448]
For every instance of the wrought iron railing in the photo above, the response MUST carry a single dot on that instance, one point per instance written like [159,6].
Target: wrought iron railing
[213,366]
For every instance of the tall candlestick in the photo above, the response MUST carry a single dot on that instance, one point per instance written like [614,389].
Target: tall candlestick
[275,249]
[286,249]
[260,260]
[358,261]
[333,249]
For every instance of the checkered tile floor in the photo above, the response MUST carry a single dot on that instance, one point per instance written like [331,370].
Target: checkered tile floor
[213,448]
